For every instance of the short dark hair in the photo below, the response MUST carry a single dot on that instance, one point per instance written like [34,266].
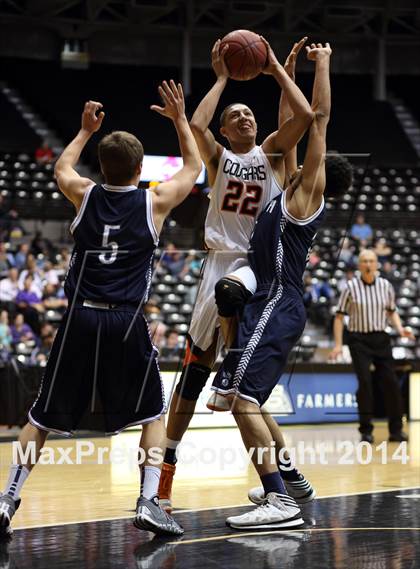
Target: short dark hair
[120,154]
[338,175]
[226,111]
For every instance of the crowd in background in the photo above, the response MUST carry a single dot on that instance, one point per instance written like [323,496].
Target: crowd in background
[32,299]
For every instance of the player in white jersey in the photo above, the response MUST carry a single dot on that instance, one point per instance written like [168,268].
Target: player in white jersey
[243,180]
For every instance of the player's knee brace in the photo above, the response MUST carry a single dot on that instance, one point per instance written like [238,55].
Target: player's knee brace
[231,297]
[193,378]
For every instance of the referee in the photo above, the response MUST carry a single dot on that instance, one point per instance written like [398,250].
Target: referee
[369,300]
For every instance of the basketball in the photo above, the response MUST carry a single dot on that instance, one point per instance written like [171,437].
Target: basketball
[246,56]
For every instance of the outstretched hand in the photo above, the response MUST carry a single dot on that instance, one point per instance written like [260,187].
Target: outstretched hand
[290,63]
[173,100]
[90,121]
[218,60]
[272,61]
[314,51]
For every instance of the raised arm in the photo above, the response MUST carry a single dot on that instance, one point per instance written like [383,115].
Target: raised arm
[307,197]
[291,131]
[169,194]
[210,149]
[69,181]
[285,111]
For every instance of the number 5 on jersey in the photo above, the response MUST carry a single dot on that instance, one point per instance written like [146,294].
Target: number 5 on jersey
[232,200]
[105,243]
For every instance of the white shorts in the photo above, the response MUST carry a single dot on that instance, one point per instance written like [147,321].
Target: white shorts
[205,319]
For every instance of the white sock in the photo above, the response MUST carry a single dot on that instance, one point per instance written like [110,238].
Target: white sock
[172,444]
[150,476]
[17,477]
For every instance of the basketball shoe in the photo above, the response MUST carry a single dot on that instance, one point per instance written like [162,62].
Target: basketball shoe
[165,486]
[278,511]
[8,507]
[151,517]
[301,490]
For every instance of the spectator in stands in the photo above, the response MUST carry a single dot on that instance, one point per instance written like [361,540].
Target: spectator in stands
[32,269]
[9,288]
[16,230]
[171,350]
[383,250]
[194,267]
[50,299]
[27,296]
[347,253]
[348,276]
[21,255]
[314,257]
[51,274]
[64,259]
[151,307]
[361,231]
[388,273]
[40,354]
[157,333]
[21,332]
[44,154]
[30,303]
[41,245]
[5,332]
[172,260]
[317,300]
[5,263]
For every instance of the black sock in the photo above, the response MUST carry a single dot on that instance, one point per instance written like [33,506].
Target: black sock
[170,456]
[273,483]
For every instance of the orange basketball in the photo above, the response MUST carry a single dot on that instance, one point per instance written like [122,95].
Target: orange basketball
[246,56]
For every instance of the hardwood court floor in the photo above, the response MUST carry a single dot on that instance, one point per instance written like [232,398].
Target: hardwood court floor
[64,494]
[367,531]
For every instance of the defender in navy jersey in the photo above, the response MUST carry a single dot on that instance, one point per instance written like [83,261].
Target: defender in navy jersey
[274,317]
[103,367]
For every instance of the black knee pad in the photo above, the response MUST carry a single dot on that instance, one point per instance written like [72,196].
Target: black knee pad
[231,297]
[193,378]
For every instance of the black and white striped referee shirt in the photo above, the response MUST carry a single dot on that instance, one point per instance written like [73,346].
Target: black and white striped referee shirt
[367,304]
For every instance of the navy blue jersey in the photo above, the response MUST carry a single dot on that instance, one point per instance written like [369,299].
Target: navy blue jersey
[280,245]
[115,239]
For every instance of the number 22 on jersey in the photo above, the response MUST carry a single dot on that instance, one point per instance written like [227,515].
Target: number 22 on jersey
[233,198]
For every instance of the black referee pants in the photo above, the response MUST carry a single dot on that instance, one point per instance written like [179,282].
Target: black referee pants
[375,348]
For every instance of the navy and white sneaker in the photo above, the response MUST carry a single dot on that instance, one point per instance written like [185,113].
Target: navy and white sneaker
[151,517]
[8,507]
[278,511]
[301,490]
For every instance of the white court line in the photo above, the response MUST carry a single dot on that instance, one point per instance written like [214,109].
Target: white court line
[214,508]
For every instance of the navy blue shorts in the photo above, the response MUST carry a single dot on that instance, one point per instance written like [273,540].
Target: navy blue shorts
[267,333]
[99,376]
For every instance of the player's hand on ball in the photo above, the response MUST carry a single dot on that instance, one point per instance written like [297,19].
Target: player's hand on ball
[173,100]
[90,121]
[316,50]
[335,353]
[290,63]
[272,61]
[218,60]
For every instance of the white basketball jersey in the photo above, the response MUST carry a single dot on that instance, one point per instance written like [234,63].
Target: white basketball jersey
[244,185]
